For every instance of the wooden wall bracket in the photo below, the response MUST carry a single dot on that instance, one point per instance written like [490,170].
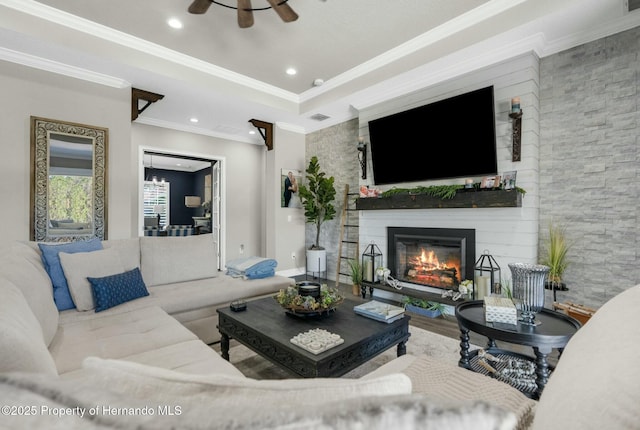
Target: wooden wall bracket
[516,119]
[266,131]
[136,96]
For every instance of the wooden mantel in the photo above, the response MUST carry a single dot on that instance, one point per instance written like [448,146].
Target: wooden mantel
[463,199]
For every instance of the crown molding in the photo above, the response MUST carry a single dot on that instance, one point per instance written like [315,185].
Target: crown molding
[195,130]
[290,127]
[61,69]
[412,46]
[627,22]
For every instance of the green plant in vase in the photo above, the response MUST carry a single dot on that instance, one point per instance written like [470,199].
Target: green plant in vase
[317,197]
[555,255]
[355,269]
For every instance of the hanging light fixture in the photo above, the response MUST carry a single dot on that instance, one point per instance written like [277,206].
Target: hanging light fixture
[150,173]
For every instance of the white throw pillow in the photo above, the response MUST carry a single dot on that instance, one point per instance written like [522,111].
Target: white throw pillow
[128,251]
[79,266]
[154,383]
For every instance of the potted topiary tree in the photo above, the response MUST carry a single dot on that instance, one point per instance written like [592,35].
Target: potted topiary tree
[317,196]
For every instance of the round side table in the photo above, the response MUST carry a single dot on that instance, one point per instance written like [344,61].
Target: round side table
[553,331]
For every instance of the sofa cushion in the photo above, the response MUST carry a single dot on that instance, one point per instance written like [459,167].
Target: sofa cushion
[217,291]
[110,291]
[22,346]
[51,261]
[79,266]
[115,336]
[166,260]
[595,384]
[22,265]
[191,356]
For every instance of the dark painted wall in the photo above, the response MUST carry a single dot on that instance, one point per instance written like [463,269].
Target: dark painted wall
[182,184]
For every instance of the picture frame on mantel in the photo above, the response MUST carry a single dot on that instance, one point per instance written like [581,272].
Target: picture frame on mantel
[489,182]
[290,180]
[509,180]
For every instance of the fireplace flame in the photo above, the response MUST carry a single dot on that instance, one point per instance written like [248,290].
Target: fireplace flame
[425,267]
[428,260]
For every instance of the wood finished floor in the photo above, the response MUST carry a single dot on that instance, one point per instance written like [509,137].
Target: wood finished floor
[446,326]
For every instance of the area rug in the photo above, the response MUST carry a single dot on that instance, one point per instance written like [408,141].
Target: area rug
[421,341]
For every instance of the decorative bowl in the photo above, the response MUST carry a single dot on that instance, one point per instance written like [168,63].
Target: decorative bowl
[299,303]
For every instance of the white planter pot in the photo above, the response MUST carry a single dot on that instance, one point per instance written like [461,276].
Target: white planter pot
[316,260]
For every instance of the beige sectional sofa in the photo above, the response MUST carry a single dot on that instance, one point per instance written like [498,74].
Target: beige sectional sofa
[169,328]
[145,364]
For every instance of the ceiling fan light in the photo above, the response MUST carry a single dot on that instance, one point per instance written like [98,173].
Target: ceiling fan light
[283,10]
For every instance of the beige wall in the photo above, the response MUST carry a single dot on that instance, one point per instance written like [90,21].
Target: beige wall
[242,180]
[286,226]
[29,92]
[247,185]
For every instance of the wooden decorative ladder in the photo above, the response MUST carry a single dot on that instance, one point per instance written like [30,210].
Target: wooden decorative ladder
[349,233]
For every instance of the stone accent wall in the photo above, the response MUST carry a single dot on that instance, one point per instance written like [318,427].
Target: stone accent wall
[336,149]
[589,170]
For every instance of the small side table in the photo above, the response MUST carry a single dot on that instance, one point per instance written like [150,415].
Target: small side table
[554,331]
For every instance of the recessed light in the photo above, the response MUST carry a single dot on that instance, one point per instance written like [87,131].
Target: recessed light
[252,132]
[174,23]
[194,120]
[291,71]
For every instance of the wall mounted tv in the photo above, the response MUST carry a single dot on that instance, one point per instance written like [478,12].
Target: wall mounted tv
[450,138]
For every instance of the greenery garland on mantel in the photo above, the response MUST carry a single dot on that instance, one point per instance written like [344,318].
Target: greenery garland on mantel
[445,192]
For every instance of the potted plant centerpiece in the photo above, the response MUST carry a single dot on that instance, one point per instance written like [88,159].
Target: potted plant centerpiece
[356,275]
[554,255]
[317,196]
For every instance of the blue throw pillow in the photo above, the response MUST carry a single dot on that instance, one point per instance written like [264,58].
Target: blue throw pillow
[113,290]
[51,261]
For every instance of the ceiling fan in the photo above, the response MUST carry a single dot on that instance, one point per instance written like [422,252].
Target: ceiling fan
[245,11]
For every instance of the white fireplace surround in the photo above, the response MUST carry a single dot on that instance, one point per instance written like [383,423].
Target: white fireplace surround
[508,234]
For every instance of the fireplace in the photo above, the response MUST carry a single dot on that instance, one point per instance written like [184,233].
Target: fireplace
[431,257]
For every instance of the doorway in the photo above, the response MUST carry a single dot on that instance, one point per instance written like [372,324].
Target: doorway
[188,194]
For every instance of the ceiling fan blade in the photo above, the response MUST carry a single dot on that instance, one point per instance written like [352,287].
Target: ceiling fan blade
[245,15]
[199,6]
[283,10]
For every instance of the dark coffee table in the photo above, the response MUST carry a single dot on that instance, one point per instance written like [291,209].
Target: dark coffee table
[554,331]
[266,329]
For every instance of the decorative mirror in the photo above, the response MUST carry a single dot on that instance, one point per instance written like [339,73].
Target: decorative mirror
[68,181]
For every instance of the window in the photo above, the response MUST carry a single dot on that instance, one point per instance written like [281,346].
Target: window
[156,200]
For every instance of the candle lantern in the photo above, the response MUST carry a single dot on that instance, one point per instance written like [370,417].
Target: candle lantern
[487,276]
[371,260]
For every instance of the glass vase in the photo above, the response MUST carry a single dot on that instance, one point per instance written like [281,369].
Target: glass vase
[528,289]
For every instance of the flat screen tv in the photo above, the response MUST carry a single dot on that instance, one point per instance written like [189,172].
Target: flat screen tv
[450,138]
